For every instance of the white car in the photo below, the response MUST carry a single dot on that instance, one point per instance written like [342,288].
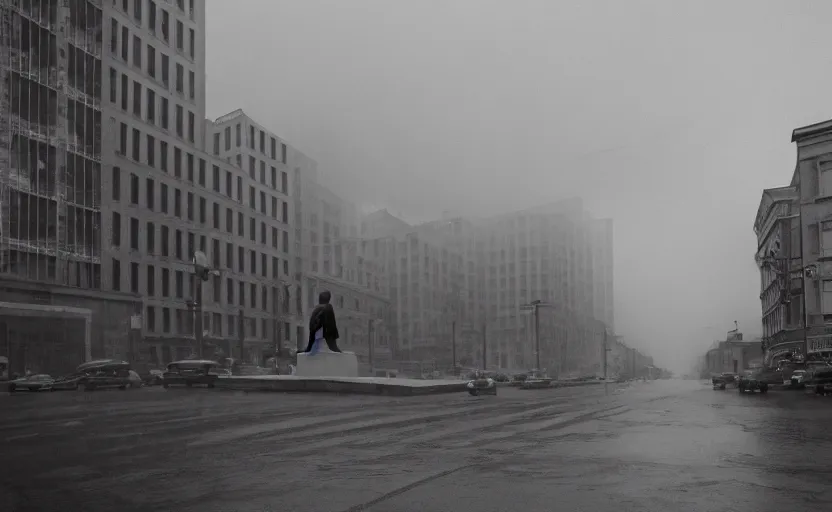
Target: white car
[797,378]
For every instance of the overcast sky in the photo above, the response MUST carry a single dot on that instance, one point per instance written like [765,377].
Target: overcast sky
[669,116]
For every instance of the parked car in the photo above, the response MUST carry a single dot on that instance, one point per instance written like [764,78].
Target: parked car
[39,382]
[750,382]
[106,374]
[821,381]
[725,379]
[796,380]
[190,372]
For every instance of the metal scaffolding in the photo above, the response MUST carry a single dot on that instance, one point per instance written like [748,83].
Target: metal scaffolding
[50,140]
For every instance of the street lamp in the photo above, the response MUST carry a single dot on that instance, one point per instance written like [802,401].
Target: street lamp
[534,306]
[202,271]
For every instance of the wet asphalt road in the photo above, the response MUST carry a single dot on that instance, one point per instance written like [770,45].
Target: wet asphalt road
[656,446]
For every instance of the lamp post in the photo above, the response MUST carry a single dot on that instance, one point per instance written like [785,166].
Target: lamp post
[202,272]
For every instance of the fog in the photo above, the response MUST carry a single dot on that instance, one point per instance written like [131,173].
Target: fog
[668,116]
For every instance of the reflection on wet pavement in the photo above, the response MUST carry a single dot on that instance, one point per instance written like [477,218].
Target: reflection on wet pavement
[665,445]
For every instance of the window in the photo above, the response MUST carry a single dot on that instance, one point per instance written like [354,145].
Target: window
[252,229]
[237,134]
[283,153]
[125,38]
[216,179]
[165,26]
[191,126]
[151,106]
[241,264]
[262,142]
[190,206]
[192,43]
[274,237]
[164,112]
[228,183]
[137,10]
[134,233]
[285,212]
[826,239]
[229,255]
[285,241]
[113,86]
[134,189]
[116,275]
[252,198]
[150,194]
[262,172]
[137,141]
[275,266]
[191,169]
[151,61]
[252,167]
[180,78]
[215,254]
[180,121]
[241,295]
[229,220]
[165,316]
[191,84]
[151,280]
[826,297]
[177,161]
[137,52]
[137,99]
[124,92]
[263,233]
[114,36]
[180,35]
[227,137]
[151,16]
[150,233]
[165,70]
[163,193]
[116,186]
[284,183]
[115,231]
[229,291]
[274,207]
[241,223]
[203,207]
[164,234]
[239,189]
[274,148]
[150,311]
[163,155]
[151,151]
[177,202]
[165,282]
[177,248]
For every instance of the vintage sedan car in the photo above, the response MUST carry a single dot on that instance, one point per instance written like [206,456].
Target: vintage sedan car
[750,382]
[190,372]
[725,379]
[105,374]
[39,382]
[796,380]
[482,386]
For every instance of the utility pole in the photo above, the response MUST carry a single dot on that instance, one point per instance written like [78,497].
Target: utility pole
[201,273]
[371,345]
[242,335]
[276,330]
[453,347]
[537,336]
[484,349]
[605,350]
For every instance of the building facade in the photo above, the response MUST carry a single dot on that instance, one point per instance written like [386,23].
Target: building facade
[778,258]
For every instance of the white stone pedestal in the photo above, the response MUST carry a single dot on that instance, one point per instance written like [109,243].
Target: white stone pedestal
[327,364]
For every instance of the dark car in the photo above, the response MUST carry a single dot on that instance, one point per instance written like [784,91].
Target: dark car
[750,382]
[821,380]
[190,372]
[724,380]
[40,382]
[105,374]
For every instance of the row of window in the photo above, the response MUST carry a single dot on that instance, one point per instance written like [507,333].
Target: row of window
[165,283]
[149,107]
[216,323]
[162,23]
[145,150]
[196,207]
[158,243]
[251,143]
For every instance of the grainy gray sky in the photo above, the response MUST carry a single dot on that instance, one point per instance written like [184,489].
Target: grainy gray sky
[670,116]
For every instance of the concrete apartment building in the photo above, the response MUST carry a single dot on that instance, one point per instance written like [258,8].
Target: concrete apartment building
[425,281]
[107,187]
[262,178]
[777,228]
[544,253]
[336,259]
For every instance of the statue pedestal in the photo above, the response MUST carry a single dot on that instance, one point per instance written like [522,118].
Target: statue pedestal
[327,364]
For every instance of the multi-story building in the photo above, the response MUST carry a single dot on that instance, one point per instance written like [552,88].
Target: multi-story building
[812,181]
[544,253]
[108,185]
[261,172]
[778,258]
[336,259]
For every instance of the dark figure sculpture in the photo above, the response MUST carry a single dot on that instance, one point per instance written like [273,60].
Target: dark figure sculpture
[323,317]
